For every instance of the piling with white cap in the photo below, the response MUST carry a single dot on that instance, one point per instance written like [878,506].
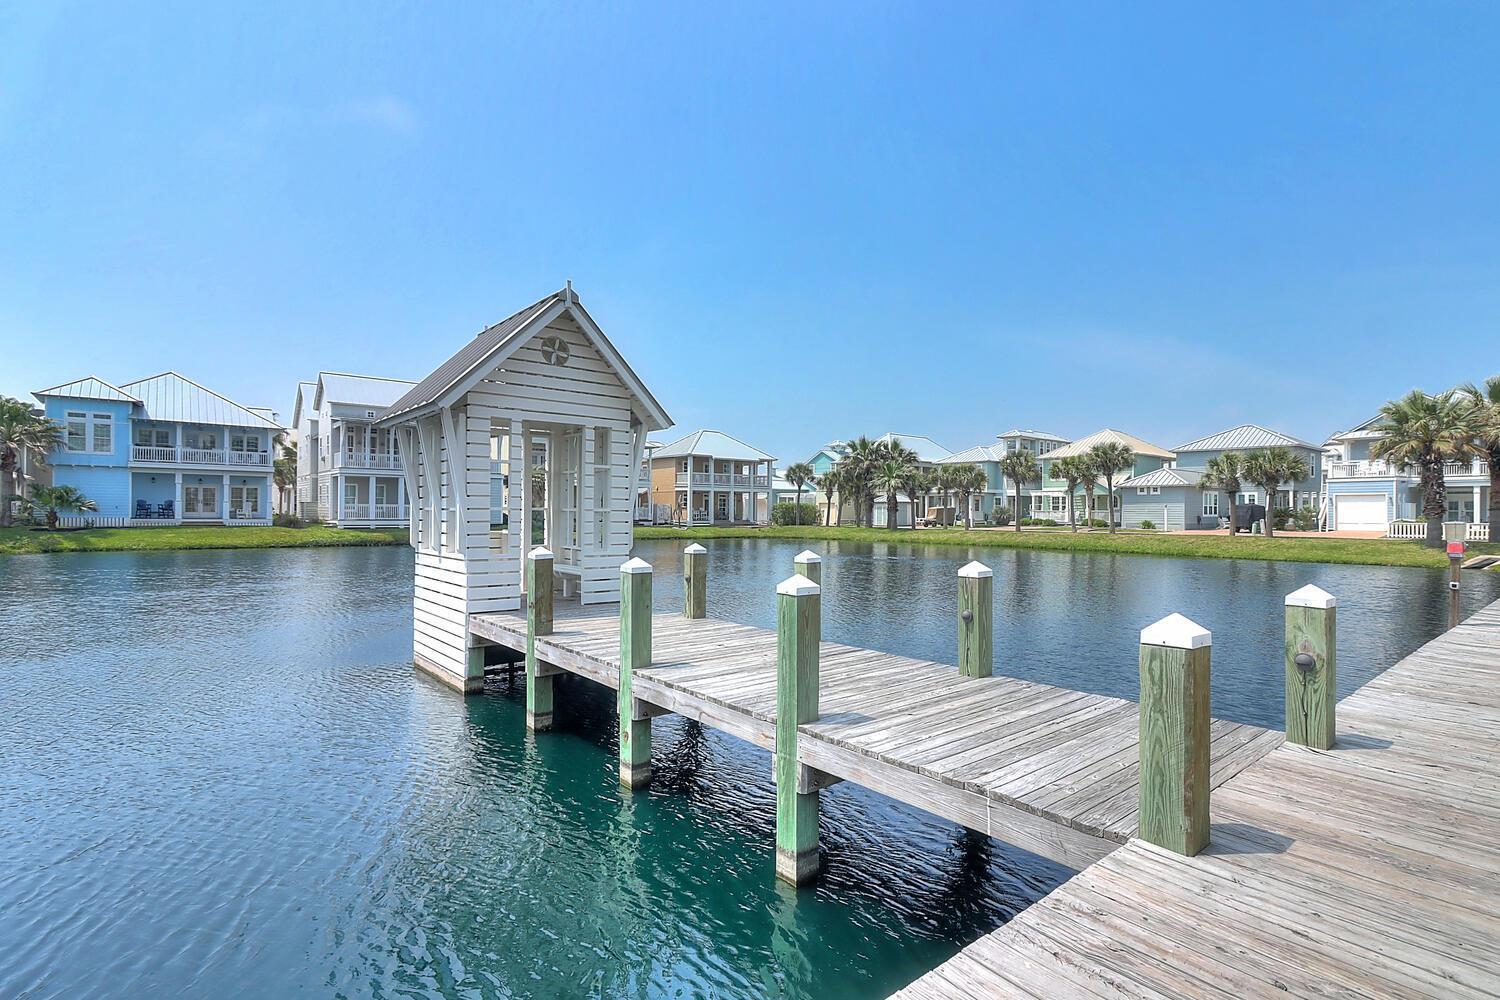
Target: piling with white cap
[1174,734]
[538,622]
[695,581]
[976,631]
[809,564]
[635,654]
[799,624]
[1311,667]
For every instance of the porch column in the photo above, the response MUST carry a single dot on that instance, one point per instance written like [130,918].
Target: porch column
[401,497]
[370,499]
[1478,490]
[224,495]
[177,493]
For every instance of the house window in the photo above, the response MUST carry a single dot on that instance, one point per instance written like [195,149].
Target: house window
[1156,491]
[89,432]
[244,442]
[78,429]
[1250,497]
[1211,504]
[1140,491]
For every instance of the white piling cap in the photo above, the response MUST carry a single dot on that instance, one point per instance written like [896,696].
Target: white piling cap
[1311,597]
[1178,632]
[976,569]
[798,586]
[807,556]
[636,565]
[695,550]
[540,552]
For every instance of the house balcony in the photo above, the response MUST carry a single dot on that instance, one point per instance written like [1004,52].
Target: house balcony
[153,455]
[1371,469]
[344,460]
[716,480]
[376,512]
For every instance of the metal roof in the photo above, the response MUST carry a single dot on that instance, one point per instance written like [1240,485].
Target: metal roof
[978,453]
[926,448]
[1110,435]
[91,387]
[305,391]
[1164,477]
[489,342]
[1034,435]
[713,444]
[170,396]
[1244,436]
[360,390]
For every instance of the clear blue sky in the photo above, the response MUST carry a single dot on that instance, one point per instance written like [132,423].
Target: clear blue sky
[798,223]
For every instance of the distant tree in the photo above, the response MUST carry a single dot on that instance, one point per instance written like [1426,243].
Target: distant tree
[1484,417]
[1109,459]
[1072,470]
[799,475]
[828,483]
[1020,467]
[857,472]
[23,435]
[284,473]
[1268,468]
[1223,473]
[968,480]
[1422,432]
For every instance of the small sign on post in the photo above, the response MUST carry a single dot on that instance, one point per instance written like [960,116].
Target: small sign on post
[1456,549]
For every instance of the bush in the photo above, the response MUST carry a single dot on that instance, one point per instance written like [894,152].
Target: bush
[1149,525]
[1000,516]
[785,513]
[1038,522]
[1281,518]
[1306,519]
[287,521]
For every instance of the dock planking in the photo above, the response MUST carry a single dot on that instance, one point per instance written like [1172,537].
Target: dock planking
[1371,869]
[1051,770]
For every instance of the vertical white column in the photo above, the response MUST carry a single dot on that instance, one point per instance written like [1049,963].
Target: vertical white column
[224,497]
[1478,491]
[177,490]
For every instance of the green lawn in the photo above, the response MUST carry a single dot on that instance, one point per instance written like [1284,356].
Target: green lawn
[16,541]
[1303,548]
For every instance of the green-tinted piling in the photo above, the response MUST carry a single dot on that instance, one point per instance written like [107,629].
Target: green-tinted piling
[1174,741]
[695,581]
[1311,667]
[809,564]
[799,624]
[635,654]
[976,630]
[538,622]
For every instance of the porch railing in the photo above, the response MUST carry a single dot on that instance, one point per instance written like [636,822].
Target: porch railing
[1362,469]
[1418,529]
[360,460]
[388,511]
[261,458]
[721,479]
[151,453]
[204,456]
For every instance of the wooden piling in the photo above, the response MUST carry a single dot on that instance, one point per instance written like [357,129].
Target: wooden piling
[695,581]
[1311,667]
[635,654]
[799,624]
[1174,735]
[538,622]
[809,564]
[976,633]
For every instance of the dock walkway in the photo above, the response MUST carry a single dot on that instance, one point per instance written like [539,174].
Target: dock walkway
[1370,870]
[1050,770]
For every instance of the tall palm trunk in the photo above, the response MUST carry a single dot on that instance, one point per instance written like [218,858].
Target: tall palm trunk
[1492,456]
[1109,504]
[828,508]
[1016,514]
[797,514]
[8,487]
[892,508]
[1434,501]
[1072,509]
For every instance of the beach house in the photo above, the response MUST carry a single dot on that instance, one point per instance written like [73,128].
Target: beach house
[1361,493]
[161,450]
[349,472]
[1049,498]
[709,477]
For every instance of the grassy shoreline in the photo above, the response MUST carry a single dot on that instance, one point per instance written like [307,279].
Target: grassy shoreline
[1354,551]
[24,541]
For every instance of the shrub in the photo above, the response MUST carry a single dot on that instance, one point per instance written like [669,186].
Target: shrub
[1038,522]
[1306,519]
[785,513]
[1281,517]
[287,521]
[1149,525]
[1000,516]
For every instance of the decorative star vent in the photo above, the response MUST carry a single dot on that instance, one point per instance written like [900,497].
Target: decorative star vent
[555,351]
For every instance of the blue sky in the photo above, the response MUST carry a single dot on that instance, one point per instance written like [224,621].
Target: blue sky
[798,223]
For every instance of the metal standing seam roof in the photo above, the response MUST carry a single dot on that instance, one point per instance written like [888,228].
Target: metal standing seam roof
[1164,477]
[1110,435]
[1242,437]
[978,453]
[91,387]
[1034,435]
[305,391]
[713,444]
[926,448]
[170,396]
[360,390]
[492,339]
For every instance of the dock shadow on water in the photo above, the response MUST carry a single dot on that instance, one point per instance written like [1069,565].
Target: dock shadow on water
[219,774]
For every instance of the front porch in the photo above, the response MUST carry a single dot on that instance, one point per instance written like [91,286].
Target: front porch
[159,498]
[722,507]
[368,501]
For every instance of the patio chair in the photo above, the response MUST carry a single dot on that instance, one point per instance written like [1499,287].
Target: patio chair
[165,509]
[142,509]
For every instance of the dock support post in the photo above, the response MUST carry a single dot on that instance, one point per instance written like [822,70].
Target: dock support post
[538,622]
[976,632]
[635,654]
[1311,667]
[695,581]
[1174,735]
[799,624]
[809,564]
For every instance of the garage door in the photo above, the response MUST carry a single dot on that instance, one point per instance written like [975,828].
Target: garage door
[1360,512]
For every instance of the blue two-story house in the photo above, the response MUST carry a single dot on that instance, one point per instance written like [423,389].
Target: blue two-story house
[162,450]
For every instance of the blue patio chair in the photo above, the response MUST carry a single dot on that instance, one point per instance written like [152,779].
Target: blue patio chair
[142,509]
[164,509]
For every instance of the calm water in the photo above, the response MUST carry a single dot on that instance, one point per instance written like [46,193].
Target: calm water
[220,775]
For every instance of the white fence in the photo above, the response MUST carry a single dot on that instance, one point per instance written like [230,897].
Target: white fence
[1418,529]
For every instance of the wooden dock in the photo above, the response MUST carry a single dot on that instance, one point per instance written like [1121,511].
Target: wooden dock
[1050,770]
[1368,870]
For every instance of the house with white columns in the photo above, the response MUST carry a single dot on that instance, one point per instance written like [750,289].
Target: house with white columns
[709,477]
[349,472]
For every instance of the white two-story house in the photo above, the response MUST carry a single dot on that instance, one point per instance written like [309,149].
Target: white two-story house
[349,473]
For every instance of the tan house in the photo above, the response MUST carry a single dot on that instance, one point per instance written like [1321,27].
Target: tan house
[709,477]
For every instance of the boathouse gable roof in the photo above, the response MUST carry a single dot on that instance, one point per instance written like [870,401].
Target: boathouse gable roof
[493,345]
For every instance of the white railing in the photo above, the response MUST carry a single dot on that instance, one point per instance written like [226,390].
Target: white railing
[1418,529]
[204,456]
[1476,468]
[261,458]
[388,511]
[720,479]
[150,453]
[1361,470]
[365,461]
[356,512]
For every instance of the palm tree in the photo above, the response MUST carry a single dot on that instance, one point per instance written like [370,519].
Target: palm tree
[1485,416]
[23,434]
[857,470]
[890,476]
[54,499]
[1020,467]
[799,475]
[1090,484]
[1268,468]
[1422,432]
[967,480]
[284,473]
[915,483]
[1109,459]
[1223,473]
[1073,470]
[828,482]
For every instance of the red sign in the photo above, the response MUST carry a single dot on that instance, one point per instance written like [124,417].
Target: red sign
[1455,548]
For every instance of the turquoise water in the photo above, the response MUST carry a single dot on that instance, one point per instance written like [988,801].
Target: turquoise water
[219,775]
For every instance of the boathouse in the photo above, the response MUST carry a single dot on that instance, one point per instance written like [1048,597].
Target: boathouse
[531,434]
